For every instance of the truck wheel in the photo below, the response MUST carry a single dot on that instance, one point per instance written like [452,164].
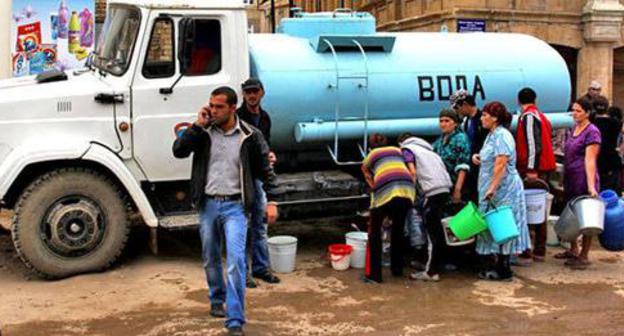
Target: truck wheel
[70,221]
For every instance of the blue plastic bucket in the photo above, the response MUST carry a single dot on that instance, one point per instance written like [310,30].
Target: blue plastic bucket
[502,224]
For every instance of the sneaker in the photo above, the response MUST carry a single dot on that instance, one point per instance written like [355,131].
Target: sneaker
[423,276]
[417,265]
[235,331]
[217,310]
[267,277]
[450,268]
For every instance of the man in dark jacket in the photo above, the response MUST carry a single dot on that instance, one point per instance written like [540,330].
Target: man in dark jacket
[252,113]
[465,104]
[228,156]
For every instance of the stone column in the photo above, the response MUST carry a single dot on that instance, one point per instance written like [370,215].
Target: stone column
[5,35]
[602,20]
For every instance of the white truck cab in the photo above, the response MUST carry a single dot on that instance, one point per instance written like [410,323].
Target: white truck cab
[80,152]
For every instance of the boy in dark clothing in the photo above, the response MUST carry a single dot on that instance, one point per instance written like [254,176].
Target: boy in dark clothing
[464,103]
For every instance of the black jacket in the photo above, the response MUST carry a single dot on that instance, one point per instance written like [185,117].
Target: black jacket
[253,160]
[481,133]
[264,125]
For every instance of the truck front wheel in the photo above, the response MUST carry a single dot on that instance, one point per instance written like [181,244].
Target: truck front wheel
[70,221]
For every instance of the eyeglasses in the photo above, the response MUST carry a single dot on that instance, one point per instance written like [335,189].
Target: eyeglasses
[254,90]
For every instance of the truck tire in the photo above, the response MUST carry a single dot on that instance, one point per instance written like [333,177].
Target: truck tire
[70,221]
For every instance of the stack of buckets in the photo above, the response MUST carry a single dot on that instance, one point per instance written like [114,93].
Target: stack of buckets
[340,256]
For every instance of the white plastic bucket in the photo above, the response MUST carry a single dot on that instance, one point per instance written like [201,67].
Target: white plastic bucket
[549,201]
[551,235]
[282,253]
[340,256]
[450,238]
[358,241]
[340,262]
[535,205]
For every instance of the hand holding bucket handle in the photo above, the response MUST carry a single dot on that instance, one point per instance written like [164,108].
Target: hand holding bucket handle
[490,204]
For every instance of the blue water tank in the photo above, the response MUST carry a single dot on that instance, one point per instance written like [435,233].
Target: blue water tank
[612,238]
[329,67]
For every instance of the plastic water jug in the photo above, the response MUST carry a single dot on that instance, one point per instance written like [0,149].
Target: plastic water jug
[612,238]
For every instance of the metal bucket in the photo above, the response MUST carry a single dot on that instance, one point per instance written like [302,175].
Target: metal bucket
[590,213]
[567,227]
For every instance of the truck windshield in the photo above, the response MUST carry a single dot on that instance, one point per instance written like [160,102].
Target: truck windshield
[117,39]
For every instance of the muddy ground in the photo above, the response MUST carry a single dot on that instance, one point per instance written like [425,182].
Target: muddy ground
[167,295]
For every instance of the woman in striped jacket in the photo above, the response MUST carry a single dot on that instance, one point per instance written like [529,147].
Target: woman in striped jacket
[392,194]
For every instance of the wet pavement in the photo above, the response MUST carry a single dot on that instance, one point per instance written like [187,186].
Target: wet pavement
[167,295]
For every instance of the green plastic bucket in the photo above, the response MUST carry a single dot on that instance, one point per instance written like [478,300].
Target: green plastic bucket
[468,222]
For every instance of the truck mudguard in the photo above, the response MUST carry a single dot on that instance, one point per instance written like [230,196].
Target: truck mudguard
[108,159]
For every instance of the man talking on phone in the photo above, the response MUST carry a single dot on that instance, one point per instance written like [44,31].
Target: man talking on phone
[228,156]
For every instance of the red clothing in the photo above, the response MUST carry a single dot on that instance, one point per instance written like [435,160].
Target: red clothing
[534,142]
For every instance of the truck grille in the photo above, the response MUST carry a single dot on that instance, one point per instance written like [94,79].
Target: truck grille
[63,106]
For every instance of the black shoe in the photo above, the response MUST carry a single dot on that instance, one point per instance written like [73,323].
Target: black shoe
[235,331]
[217,310]
[267,277]
[251,283]
[368,280]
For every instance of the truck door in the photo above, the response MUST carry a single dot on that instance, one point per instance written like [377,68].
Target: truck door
[156,108]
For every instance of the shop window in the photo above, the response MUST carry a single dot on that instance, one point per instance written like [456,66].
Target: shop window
[206,52]
[159,61]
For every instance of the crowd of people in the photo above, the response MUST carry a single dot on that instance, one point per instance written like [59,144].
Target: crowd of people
[477,158]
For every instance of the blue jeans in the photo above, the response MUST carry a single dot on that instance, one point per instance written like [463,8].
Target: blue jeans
[227,218]
[258,232]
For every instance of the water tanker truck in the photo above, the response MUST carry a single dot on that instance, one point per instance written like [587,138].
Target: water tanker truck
[84,154]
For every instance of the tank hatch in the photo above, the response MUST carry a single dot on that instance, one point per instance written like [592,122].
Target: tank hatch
[340,22]
[353,43]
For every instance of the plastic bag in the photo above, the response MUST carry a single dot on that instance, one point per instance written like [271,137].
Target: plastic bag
[415,228]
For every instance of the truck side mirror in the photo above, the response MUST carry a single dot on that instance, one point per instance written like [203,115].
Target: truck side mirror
[186,43]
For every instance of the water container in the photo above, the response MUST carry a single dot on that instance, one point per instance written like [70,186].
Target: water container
[282,253]
[358,240]
[536,204]
[612,238]
[335,66]
[502,224]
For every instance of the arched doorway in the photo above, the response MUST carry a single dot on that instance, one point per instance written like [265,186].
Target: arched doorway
[570,56]
[618,77]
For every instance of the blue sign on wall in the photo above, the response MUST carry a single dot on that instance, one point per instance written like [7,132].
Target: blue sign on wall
[470,25]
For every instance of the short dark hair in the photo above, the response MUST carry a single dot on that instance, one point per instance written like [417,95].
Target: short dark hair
[470,100]
[499,111]
[615,112]
[600,104]
[376,140]
[585,103]
[403,137]
[527,96]
[228,92]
